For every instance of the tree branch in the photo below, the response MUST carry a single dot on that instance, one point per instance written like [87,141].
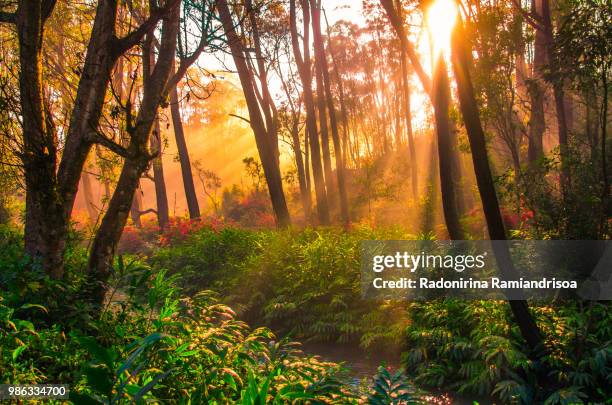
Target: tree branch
[131,39]
[532,19]
[186,63]
[398,24]
[239,117]
[148,211]
[109,144]
[47,9]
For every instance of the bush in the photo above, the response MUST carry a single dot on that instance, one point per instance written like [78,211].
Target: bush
[208,258]
[475,348]
[151,345]
[300,283]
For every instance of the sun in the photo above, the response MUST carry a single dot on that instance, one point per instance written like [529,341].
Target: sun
[441,17]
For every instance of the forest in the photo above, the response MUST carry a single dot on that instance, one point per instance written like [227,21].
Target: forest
[186,187]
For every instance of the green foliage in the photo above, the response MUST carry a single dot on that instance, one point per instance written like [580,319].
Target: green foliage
[207,259]
[392,389]
[152,344]
[474,348]
[548,214]
[269,277]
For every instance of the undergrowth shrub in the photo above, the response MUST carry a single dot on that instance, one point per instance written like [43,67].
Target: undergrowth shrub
[151,343]
[475,348]
[300,283]
[208,258]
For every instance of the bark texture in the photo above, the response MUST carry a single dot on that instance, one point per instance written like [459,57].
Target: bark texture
[311,122]
[323,66]
[461,61]
[266,136]
[181,144]
[136,162]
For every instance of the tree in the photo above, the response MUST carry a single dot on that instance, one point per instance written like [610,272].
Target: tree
[52,181]
[261,110]
[161,195]
[321,62]
[438,90]
[461,61]
[303,65]
[137,157]
[181,145]
[441,102]
[290,116]
[159,78]
[211,183]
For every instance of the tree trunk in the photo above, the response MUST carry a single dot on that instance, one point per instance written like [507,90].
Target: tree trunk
[307,166]
[181,144]
[327,166]
[118,86]
[408,117]
[110,230]
[441,101]
[161,195]
[343,112]
[154,91]
[322,62]
[136,208]
[311,123]
[604,130]
[299,163]
[46,224]
[461,61]
[264,139]
[543,10]
[537,123]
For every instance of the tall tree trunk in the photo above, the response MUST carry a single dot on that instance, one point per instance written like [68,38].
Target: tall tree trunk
[301,172]
[322,62]
[327,166]
[458,180]
[428,214]
[537,123]
[136,208]
[461,61]
[604,164]
[265,138]
[559,95]
[307,166]
[105,241]
[161,195]
[341,96]
[181,145]
[408,118]
[118,87]
[46,224]
[441,101]
[154,92]
[311,123]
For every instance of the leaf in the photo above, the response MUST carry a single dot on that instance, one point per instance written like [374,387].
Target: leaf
[42,308]
[99,379]
[18,351]
[150,385]
[98,352]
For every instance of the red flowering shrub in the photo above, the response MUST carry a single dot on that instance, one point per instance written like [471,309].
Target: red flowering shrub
[132,241]
[180,229]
